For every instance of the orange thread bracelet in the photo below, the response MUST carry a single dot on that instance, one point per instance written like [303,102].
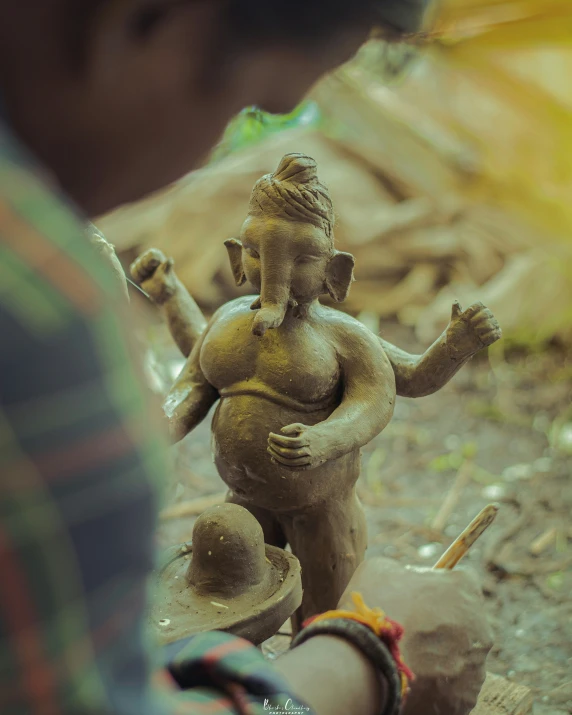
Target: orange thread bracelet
[388,631]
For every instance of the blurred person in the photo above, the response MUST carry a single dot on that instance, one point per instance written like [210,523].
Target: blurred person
[102,102]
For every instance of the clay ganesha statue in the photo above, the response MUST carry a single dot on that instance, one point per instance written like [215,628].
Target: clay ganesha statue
[301,387]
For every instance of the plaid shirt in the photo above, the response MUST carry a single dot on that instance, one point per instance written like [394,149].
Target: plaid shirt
[81,460]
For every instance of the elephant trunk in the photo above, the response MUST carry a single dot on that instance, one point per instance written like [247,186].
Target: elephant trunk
[274,297]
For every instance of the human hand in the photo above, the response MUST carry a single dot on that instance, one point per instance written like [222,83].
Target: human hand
[154,273]
[447,635]
[472,330]
[298,447]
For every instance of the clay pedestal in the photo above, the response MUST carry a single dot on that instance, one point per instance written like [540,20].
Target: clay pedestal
[225,580]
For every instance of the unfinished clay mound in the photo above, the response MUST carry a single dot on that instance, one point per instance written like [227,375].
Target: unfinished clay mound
[225,580]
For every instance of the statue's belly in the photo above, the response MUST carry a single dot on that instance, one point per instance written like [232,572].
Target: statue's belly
[297,364]
[241,427]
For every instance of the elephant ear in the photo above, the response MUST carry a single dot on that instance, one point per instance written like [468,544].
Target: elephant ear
[234,248]
[340,275]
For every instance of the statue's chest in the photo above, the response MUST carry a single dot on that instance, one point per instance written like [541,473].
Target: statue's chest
[295,359]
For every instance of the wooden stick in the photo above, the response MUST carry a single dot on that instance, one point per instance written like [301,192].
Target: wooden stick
[463,543]
[501,697]
[544,541]
[498,696]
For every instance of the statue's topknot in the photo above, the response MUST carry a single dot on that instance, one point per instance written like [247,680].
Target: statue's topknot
[295,192]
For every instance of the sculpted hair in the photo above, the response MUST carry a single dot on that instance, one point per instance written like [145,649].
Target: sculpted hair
[294,192]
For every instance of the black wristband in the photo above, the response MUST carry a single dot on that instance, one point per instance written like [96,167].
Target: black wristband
[369,644]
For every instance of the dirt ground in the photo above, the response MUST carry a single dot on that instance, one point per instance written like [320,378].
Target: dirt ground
[500,432]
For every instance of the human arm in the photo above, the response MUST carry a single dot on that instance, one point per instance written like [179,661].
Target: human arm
[447,635]
[446,641]
[191,397]
[365,409]
[467,333]
[77,504]
[155,274]
[82,456]
[333,677]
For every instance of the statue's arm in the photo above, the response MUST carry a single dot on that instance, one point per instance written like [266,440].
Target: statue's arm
[365,409]
[184,318]
[421,375]
[468,332]
[156,275]
[191,397]
[368,399]
[371,380]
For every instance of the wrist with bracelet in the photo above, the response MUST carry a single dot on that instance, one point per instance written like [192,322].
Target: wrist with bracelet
[376,636]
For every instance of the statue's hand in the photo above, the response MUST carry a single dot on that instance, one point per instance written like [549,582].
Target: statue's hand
[154,273]
[298,447]
[471,330]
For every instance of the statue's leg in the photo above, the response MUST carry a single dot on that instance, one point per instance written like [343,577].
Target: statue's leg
[273,533]
[330,542]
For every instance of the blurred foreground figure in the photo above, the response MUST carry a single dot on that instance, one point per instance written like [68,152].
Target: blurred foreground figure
[102,102]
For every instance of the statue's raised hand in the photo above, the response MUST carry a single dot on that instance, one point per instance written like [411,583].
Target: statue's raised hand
[471,330]
[298,447]
[154,273]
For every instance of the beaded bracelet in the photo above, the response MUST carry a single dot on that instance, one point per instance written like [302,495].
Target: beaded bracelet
[376,636]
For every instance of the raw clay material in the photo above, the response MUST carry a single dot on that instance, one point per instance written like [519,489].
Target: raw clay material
[226,580]
[300,387]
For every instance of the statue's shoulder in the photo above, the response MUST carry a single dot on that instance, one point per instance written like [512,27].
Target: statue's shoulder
[349,330]
[342,321]
[234,308]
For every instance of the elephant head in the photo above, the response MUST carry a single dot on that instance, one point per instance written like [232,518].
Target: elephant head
[286,248]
